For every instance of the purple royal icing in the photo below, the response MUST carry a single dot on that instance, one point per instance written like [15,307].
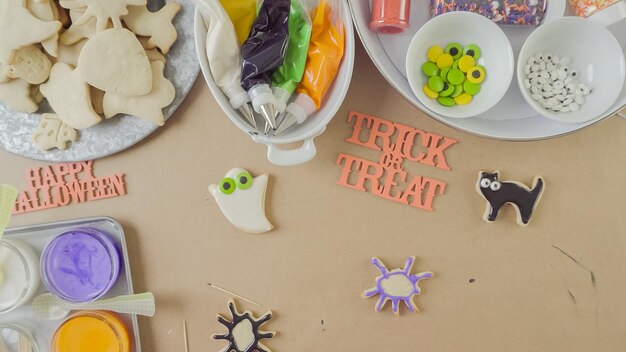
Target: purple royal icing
[80,265]
[386,274]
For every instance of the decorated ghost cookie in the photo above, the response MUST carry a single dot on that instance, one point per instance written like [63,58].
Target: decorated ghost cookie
[53,133]
[156,25]
[114,61]
[103,11]
[244,331]
[16,94]
[241,199]
[498,193]
[19,28]
[69,97]
[150,106]
[396,285]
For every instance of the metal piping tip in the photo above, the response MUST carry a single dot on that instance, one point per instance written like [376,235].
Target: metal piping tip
[269,114]
[247,113]
[268,128]
[288,121]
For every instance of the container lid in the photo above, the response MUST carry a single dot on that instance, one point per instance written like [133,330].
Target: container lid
[95,331]
[80,265]
[15,338]
[15,276]
[610,15]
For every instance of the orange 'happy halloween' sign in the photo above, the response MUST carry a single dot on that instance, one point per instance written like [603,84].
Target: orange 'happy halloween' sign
[386,175]
[61,184]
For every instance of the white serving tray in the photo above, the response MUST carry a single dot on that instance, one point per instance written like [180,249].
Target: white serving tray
[37,236]
[512,118]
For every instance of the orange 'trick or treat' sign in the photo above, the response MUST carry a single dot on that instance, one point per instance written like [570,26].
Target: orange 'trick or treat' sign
[59,185]
[398,143]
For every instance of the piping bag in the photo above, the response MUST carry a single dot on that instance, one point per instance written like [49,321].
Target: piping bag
[286,78]
[322,64]
[242,13]
[8,195]
[264,52]
[224,56]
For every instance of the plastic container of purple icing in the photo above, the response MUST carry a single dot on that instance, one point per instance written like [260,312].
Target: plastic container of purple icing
[80,265]
[39,237]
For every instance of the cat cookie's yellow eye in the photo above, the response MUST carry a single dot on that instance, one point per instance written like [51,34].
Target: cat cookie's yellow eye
[495,185]
[485,182]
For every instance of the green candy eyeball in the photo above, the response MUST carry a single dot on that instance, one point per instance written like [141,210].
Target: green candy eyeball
[446,101]
[454,49]
[471,88]
[472,50]
[458,90]
[435,83]
[227,185]
[244,180]
[444,73]
[430,69]
[447,90]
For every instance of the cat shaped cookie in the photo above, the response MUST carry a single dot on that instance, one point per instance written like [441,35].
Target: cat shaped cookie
[497,193]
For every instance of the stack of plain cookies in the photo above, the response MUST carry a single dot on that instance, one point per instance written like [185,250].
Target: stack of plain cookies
[91,59]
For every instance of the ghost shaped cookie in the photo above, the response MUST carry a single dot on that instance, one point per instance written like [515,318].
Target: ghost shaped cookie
[114,61]
[150,106]
[53,133]
[241,199]
[16,94]
[19,28]
[78,32]
[156,25]
[69,97]
[103,11]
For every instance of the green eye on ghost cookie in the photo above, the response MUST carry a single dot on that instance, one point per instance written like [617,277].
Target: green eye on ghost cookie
[227,185]
[244,180]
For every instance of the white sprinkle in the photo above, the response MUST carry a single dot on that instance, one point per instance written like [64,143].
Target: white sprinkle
[537,97]
[564,109]
[551,101]
[526,69]
[534,89]
[559,97]
[533,75]
[527,83]
[579,100]
[548,94]
[573,107]
[567,101]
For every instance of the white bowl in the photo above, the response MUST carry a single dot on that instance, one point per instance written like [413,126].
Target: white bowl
[314,124]
[593,51]
[465,28]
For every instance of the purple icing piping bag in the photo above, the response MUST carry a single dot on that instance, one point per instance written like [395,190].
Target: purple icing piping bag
[262,53]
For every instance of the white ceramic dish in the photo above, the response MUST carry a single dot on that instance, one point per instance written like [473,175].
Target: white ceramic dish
[512,118]
[581,40]
[37,236]
[308,130]
[119,133]
[465,28]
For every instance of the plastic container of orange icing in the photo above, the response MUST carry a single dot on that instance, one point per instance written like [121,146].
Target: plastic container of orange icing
[91,331]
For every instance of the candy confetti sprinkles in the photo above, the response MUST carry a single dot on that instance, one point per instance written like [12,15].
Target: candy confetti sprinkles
[454,75]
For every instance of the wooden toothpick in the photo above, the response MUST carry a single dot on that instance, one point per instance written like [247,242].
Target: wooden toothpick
[233,294]
[185,336]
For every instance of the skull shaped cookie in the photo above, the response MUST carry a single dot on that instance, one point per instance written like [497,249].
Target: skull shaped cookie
[103,11]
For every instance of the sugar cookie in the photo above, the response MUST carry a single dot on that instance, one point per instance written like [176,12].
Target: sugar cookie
[396,285]
[244,330]
[35,93]
[114,61]
[78,32]
[16,94]
[497,193]
[156,25]
[155,55]
[102,10]
[53,133]
[69,54]
[69,97]
[97,99]
[150,106]
[242,200]
[19,28]
[45,11]
[30,64]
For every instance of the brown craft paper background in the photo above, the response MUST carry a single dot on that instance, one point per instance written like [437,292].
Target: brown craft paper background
[311,270]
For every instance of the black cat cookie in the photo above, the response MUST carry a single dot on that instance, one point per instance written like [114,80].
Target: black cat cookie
[497,193]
